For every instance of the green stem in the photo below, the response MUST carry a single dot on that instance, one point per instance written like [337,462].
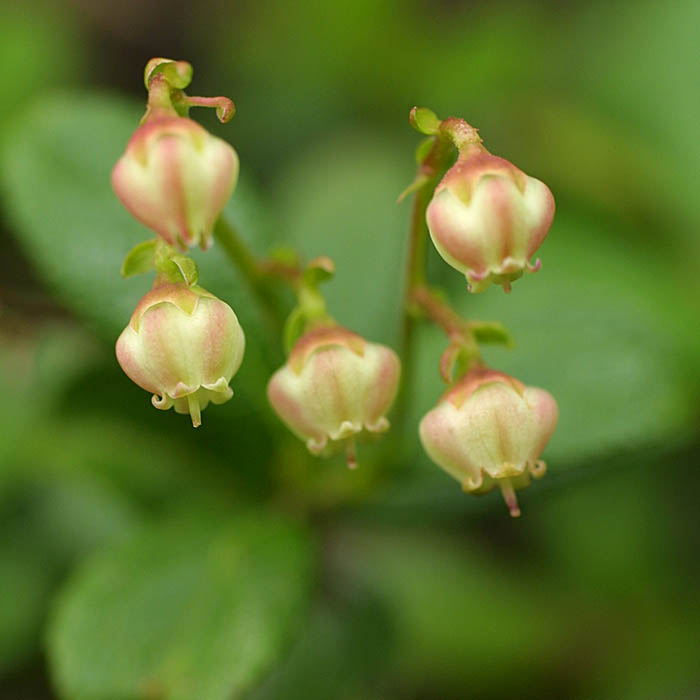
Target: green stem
[254,272]
[429,172]
[415,274]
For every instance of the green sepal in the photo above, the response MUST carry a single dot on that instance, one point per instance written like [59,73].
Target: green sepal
[183,267]
[425,121]
[177,73]
[140,259]
[492,332]
[311,308]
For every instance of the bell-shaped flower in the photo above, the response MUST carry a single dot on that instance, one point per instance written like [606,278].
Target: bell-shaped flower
[184,345]
[334,387]
[487,218]
[489,430]
[175,177]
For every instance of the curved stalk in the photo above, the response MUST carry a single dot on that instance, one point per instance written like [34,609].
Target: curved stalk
[255,272]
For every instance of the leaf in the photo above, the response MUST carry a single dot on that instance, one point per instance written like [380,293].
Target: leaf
[425,121]
[41,47]
[46,525]
[141,258]
[197,608]
[457,614]
[349,640]
[492,332]
[26,582]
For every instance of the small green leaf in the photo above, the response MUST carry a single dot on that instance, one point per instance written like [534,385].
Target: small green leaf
[319,270]
[294,327]
[197,608]
[424,148]
[425,121]
[141,258]
[492,332]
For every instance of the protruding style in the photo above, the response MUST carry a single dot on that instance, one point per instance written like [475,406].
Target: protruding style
[489,430]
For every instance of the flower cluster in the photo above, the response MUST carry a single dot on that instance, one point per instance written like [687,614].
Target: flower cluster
[486,219]
[182,344]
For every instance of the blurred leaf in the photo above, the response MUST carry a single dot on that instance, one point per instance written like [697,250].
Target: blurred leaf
[26,583]
[46,526]
[340,201]
[457,614]
[199,608]
[36,365]
[40,46]
[344,648]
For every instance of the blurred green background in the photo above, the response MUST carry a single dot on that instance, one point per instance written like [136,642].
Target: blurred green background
[142,559]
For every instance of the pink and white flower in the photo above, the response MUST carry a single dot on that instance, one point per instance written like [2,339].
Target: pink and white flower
[489,430]
[335,386]
[487,218]
[184,345]
[175,177]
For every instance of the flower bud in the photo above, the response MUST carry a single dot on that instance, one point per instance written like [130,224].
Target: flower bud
[487,218]
[488,430]
[175,177]
[334,386]
[184,345]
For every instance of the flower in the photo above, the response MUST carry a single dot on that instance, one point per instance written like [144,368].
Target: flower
[175,177]
[184,345]
[487,218]
[334,386]
[489,430]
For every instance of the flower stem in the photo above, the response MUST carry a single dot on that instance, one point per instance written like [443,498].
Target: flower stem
[255,272]
[439,311]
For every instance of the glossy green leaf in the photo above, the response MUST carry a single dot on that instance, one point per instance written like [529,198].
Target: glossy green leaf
[199,608]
